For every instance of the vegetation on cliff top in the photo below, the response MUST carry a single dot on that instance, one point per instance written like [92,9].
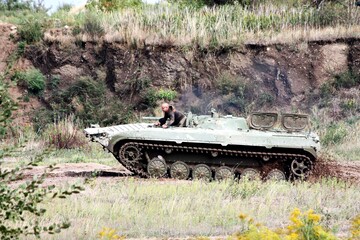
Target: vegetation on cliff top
[199,23]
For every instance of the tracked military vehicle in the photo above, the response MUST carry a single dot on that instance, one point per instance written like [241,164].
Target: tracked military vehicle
[265,145]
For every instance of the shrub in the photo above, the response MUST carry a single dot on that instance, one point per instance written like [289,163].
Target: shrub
[7,106]
[31,30]
[92,25]
[265,99]
[334,134]
[152,96]
[166,94]
[32,79]
[64,134]
[346,79]
[54,81]
[19,202]
[66,7]
[136,85]
[233,84]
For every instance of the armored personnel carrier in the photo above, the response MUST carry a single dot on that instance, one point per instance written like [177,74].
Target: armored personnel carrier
[265,145]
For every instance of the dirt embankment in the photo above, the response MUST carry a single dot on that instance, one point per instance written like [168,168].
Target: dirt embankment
[232,80]
[275,76]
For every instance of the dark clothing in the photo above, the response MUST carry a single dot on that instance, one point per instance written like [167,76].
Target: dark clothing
[175,118]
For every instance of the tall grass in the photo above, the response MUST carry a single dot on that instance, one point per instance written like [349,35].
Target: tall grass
[226,25]
[65,134]
[162,209]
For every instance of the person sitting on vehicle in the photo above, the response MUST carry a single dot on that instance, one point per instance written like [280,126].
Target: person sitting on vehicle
[175,118]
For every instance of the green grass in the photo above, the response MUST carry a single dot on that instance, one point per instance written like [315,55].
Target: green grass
[93,153]
[155,208]
[223,26]
[341,140]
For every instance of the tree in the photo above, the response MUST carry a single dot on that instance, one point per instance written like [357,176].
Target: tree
[32,5]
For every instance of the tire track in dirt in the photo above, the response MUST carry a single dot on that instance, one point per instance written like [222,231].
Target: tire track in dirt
[347,171]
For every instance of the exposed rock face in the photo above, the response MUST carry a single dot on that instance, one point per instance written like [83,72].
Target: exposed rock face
[332,59]
[275,76]
[285,72]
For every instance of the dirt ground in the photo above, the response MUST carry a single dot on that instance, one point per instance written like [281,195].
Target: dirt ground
[346,171]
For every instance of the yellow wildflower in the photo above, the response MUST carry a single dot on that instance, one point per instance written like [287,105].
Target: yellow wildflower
[297,222]
[109,233]
[242,216]
[314,217]
[292,236]
[355,228]
[295,213]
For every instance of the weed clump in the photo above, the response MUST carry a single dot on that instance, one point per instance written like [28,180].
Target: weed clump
[33,80]
[64,134]
[152,96]
[31,29]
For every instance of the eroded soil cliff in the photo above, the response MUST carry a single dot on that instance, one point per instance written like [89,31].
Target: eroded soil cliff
[234,81]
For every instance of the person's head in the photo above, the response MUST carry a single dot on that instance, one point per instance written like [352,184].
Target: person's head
[165,107]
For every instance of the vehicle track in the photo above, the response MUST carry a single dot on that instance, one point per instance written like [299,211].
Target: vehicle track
[347,171]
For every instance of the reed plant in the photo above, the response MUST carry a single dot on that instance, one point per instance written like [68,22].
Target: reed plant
[221,26]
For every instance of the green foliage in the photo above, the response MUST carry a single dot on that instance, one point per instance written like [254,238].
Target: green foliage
[166,94]
[12,5]
[19,202]
[113,5]
[303,226]
[346,79]
[32,79]
[92,25]
[244,189]
[236,90]
[202,3]
[334,134]
[136,86]
[331,13]
[152,96]
[21,48]
[265,99]
[41,117]
[87,99]
[326,90]
[31,29]
[54,81]
[7,106]
[64,7]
